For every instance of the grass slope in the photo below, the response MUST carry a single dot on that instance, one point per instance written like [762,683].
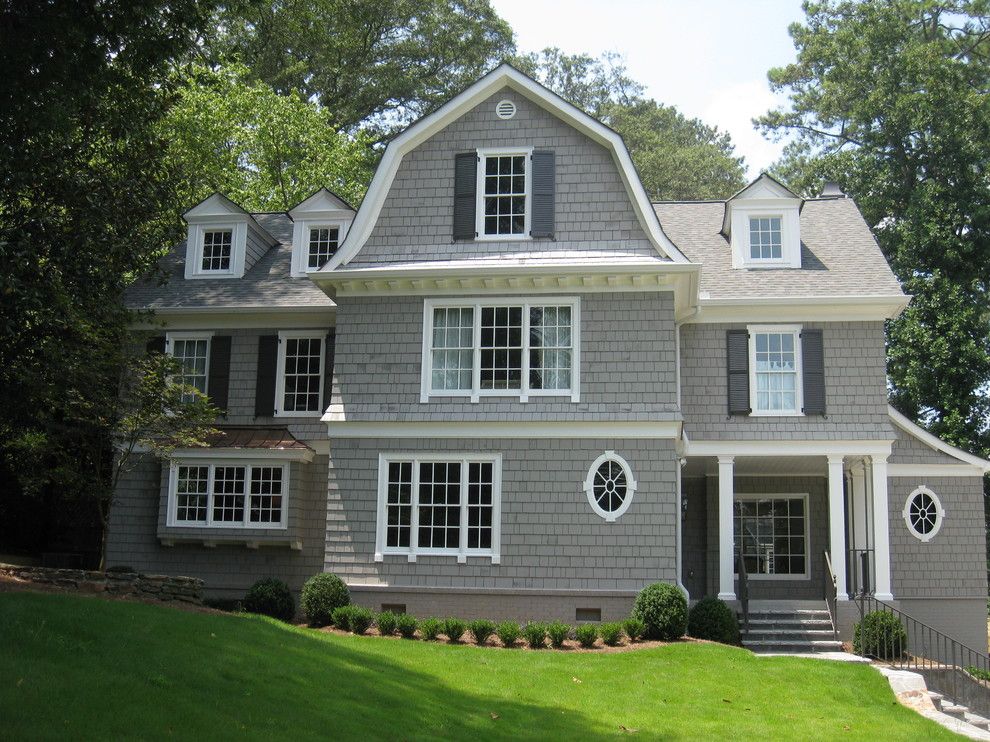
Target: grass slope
[76,667]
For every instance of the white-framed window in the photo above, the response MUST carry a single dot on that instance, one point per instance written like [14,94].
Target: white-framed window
[775,384]
[610,486]
[218,250]
[192,351]
[765,238]
[923,513]
[506,347]
[321,244]
[228,494]
[771,534]
[439,505]
[299,381]
[504,193]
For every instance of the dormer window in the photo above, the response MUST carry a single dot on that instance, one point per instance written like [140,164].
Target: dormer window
[323,241]
[503,194]
[217,249]
[319,226]
[223,241]
[763,224]
[764,238]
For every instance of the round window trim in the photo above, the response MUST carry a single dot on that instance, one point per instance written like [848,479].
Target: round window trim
[923,513]
[616,479]
[505,109]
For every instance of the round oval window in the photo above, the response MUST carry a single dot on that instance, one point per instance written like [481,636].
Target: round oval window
[923,513]
[610,485]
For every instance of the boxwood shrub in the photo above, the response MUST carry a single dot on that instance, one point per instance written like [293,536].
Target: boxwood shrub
[880,635]
[481,629]
[406,625]
[710,618]
[270,597]
[430,628]
[508,633]
[586,635]
[320,595]
[535,634]
[663,608]
[341,617]
[361,619]
[558,633]
[386,621]
[611,633]
[634,628]
[454,628]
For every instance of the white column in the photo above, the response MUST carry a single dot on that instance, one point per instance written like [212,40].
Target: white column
[726,567]
[837,525]
[881,530]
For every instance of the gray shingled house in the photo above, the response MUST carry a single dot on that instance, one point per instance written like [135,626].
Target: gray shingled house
[510,385]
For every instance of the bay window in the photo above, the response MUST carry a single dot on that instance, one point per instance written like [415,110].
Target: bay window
[227,494]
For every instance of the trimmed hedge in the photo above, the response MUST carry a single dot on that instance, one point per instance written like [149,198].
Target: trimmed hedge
[611,633]
[320,595]
[586,635]
[387,623]
[430,628]
[481,629]
[663,609]
[270,597]
[710,618]
[508,633]
[406,625]
[454,628]
[361,619]
[558,633]
[535,634]
[634,628]
[341,617]
[880,635]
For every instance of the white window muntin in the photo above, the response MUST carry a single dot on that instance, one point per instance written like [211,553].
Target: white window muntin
[179,342]
[483,154]
[935,513]
[427,389]
[767,227]
[238,247]
[803,497]
[333,236]
[283,337]
[628,486]
[462,552]
[212,465]
[797,373]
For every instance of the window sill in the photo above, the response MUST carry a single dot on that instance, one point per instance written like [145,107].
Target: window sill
[511,395]
[775,578]
[461,557]
[776,414]
[232,527]
[502,237]
[313,414]
[213,542]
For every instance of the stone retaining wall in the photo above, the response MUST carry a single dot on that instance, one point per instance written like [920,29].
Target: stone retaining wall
[132,584]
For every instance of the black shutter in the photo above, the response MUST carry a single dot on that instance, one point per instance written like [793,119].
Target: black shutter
[264,390]
[156,344]
[328,368]
[813,362]
[737,365]
[465,188]
[542,220]
[218,382]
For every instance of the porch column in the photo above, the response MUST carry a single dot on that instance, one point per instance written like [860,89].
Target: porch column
[837,525]
[881,530]
[726,566]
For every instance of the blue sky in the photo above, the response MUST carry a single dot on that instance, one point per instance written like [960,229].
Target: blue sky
[709,58]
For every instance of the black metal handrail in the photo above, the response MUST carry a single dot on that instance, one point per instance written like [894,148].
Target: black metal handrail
[859,568]
[743,590]
[831,595]
[920,647]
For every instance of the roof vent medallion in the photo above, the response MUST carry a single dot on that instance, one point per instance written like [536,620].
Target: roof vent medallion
[505,109]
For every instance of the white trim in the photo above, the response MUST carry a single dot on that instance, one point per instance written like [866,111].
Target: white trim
[806,575]
[462,553]
[284,335]
[301,234]
[501,77]
[172,335]
[794,330]
[933,471]
[938,444]
[798,308]
[238,248]
[427,393]
[661,429]
[787,448]
[479,206]
[939,512]
[726,529]
[212,462]
[589,486]
[261,454]
[230,318]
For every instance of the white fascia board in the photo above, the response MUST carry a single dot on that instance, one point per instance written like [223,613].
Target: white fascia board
[800,308]
[322,200]
[916,431]
[502,76]
[249,454]
[934,471]
[565,429]
[217,318]
[784,448]
[444,269]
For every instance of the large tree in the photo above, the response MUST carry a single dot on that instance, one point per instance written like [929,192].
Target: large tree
[890,98]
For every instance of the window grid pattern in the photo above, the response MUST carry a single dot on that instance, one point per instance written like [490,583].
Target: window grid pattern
[453,348]
[216,249]
[398,504]
[480,504]
[770,535]
[610,486]
[501,347]
[776,371]
[550,347]
[923,513]
[505,195]
[192,493]
[322,245]
[192,355]
[764,238]
[302,380]
[266,494]
[228,494]
[439,505]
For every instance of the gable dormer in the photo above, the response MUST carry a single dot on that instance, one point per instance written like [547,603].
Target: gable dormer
[319,225]
[763,225]
[223,240]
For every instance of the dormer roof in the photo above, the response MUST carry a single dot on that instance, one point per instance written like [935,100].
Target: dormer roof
[764,187]
[324,200]
[218,206]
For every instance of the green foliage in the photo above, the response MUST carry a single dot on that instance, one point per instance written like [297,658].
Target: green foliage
[341,617]
[586,634]
[634,628]
[710,618]
[320,595]
[611,633]
[270,597]
[535,634]
[880,635]
[406,625]
[663,608]
[977,673]
[481,629]
[430,628]
[558,632]
[360,619]
[508,633]
[454,628]
[387,623]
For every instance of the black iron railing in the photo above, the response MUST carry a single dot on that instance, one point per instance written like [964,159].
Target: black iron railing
[859,567]
[743,590]
[831,594]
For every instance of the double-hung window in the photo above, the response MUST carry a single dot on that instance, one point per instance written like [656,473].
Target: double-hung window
[775,370]
[228,494]
[511,347]
[322,244]
[438,505]
[299,383]
[765,238]
[504,194]
[192,352]
[217,249]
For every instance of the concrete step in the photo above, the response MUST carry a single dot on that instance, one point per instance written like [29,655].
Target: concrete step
[953,709]
[823,634]
[793,645]
[977,721]
[788,615]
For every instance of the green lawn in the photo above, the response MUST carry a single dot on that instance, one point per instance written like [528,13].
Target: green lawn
[76,667]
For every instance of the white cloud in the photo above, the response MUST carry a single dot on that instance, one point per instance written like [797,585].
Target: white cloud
[732,109]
